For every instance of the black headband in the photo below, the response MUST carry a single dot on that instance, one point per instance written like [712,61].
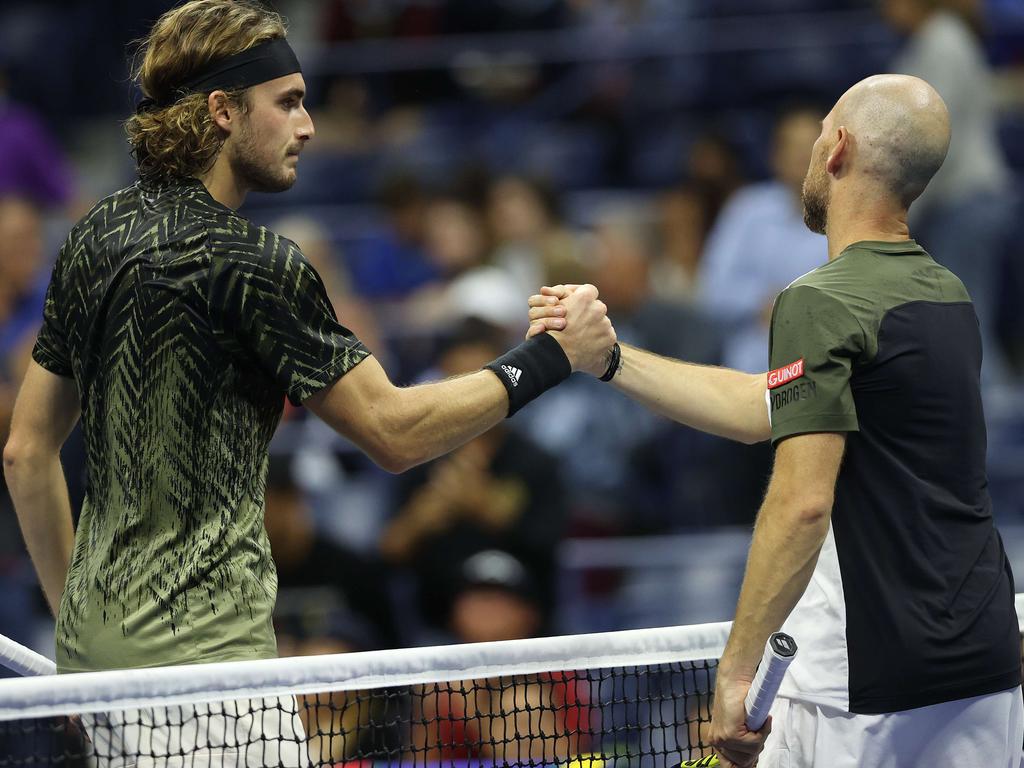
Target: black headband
[263,62]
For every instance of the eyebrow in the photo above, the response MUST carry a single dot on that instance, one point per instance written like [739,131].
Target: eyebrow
[297,93]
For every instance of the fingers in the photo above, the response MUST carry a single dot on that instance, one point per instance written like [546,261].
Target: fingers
[539,313]
[728,757]
[542,326]
[559,291]
[541,300]
[546,314]
[741,750]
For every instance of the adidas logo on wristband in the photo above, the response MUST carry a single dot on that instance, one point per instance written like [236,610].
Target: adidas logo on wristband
[513,374]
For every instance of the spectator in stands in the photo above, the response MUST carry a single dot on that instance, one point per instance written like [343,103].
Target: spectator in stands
[683,219]
[392,262]
[23,281]
[531,242]
[348,590]
[712,162]
[32,165]
[500,490]
[496,598]
[760,244]
[458,244]
[686,214]
[964,217]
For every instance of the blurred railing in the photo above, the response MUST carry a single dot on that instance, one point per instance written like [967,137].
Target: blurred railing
[631,583]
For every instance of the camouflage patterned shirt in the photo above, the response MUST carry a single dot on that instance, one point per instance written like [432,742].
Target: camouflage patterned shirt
[184,327]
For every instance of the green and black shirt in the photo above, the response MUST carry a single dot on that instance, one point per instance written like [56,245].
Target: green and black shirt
[184,327]
[911,602]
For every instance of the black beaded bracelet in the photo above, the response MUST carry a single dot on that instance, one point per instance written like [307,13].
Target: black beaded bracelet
[529,370]
[614,364]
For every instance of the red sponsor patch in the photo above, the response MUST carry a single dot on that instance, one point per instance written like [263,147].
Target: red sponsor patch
[785,374]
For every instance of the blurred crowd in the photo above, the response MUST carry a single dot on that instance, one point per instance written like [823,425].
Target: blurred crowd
[437,195]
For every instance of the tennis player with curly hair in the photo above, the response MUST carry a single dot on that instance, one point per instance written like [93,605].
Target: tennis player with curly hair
[174,328]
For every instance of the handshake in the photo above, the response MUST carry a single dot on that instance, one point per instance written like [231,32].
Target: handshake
[578,320]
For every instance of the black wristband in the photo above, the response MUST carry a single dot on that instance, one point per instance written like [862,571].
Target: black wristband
[614,363]
[529,370]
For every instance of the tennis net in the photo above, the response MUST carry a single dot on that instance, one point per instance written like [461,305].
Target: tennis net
[638,698]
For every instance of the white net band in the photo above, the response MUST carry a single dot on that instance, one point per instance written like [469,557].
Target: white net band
[204,683]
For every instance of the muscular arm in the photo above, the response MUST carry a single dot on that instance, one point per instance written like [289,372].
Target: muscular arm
[401,427]
[46,411]
[721,401]
[790,530]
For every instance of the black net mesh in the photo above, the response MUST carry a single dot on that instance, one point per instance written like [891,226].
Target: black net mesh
[641,717]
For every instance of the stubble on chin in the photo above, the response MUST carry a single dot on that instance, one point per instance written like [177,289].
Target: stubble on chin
[260,174]
[815,198]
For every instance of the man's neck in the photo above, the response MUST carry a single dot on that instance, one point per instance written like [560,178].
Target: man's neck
[223,185]
[861,219]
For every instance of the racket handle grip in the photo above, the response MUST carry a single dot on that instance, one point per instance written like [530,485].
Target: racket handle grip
[778,654]
[22,660]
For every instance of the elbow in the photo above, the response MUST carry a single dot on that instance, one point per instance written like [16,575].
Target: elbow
[758,425]
[14,456]
[800,510]
[393,451]
[382,433]
[812,512]
[752,431]
[392,460]
[10,457]
[754,436]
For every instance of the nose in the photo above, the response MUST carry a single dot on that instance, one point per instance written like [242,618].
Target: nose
[306,130]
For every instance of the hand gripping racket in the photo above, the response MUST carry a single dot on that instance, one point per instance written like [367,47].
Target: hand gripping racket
[779,652]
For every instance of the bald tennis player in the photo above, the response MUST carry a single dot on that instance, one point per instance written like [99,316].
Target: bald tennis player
[175,328]
[875,546]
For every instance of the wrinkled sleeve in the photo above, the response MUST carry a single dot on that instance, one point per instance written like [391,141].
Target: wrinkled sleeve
[815,341]
[275,308]
[51,347]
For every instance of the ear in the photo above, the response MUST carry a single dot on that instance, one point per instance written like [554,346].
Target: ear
[840,152]
[221,110]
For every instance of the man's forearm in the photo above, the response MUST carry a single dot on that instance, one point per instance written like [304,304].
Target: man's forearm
[720,401]
[40,495]
[787,539]
[437,418]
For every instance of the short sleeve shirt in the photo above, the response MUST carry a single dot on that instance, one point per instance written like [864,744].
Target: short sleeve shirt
[882,344]
[185,326]
[815,342]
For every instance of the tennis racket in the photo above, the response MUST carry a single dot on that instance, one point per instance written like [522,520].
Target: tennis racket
[779,652]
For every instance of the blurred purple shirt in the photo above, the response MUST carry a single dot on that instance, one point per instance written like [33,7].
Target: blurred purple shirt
[32,164]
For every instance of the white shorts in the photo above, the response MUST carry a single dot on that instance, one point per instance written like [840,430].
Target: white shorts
[983,731]
[246,733]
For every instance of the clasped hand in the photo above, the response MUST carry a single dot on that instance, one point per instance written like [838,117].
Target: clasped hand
[578,320]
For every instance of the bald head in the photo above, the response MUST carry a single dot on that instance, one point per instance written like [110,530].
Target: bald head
[899,128]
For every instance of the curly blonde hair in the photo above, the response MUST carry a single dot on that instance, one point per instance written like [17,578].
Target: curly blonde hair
[182,139]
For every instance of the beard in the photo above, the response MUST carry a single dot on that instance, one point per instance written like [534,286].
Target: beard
[257,167]
[816,196]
